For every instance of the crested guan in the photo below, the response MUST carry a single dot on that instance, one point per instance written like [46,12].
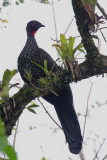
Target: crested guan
[63,103]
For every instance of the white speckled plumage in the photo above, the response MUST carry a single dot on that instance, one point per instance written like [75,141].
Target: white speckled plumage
[63,103]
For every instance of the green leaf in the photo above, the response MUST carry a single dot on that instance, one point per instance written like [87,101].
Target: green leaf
[4,146]
[17,3]
[53,92]
[64,49]
[44,1]
[1,101]
[38,65]
[3,20]
[10,152]
[79,46]
[59,52]
[42,80]
[43,68]
[55,79]
[64,46]
[71,45]
[45,63]
[43,158]
[6,3]
[63,39]
[28,75]
[4,93]
[81,50]
[2,131]
[31,110]
[3,138]
[3,142]
[7,76]
[21,1]
[56,45]
[71,42]
[33,105]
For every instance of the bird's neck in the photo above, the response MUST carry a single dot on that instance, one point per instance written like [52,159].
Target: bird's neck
[31,41]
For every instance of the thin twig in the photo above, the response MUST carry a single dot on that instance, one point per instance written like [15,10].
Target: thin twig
[12,85]
[40,89]
[54,20]
[102,28]
[55,24]
[16,131]
[86,113]
[102,10]
[49,114]
[58,41]
[69,25]
[99,149]
[103,35]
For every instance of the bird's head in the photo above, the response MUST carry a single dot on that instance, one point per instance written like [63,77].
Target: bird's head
[33,26]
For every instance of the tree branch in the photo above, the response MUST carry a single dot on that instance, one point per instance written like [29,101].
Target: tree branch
[102,10]
[95,63]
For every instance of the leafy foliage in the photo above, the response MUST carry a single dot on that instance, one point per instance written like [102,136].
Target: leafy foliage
[28,75]
[30,108]
[43,158]
[45,82]
[4,146]
[20,1]
[4,85]
[3,20]
[6,3]
[44,1]
[43,68]
[67,50]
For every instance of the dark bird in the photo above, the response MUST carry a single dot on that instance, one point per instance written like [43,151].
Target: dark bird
[63,103]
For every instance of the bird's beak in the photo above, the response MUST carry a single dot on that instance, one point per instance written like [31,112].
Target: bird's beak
[42,25]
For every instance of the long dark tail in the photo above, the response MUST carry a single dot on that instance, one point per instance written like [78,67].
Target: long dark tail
[63,104]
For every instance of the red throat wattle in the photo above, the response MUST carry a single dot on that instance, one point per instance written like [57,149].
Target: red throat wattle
[33,32]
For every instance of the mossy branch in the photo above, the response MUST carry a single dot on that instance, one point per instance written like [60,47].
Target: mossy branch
[95,63]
